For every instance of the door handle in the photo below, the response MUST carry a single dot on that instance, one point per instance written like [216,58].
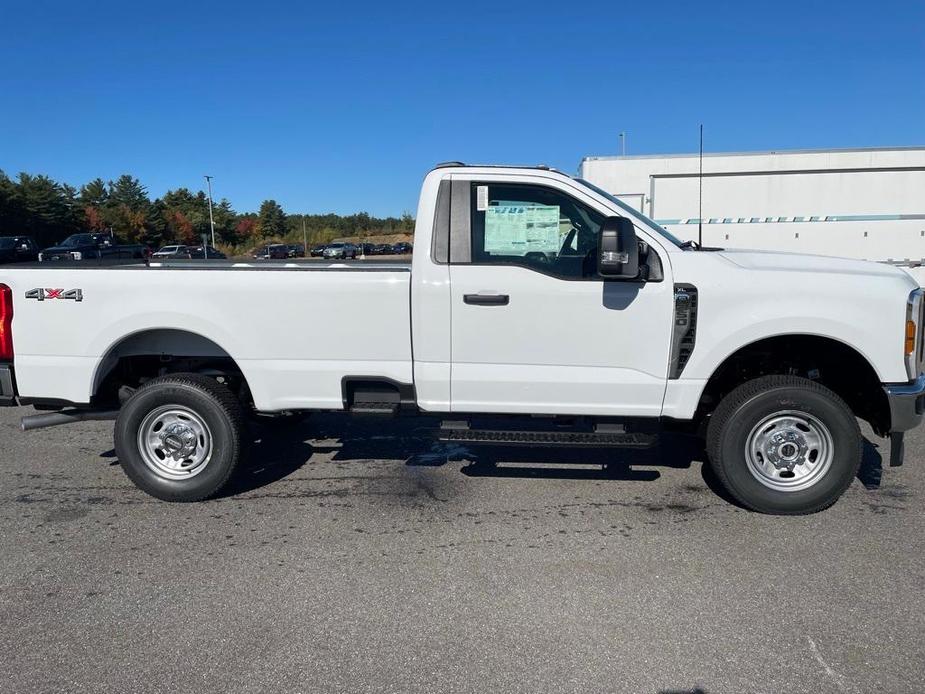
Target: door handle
[487,299]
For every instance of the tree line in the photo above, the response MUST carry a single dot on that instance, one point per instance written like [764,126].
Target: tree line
[38,206]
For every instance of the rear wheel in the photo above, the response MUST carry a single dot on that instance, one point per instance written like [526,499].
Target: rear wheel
[180,437]
[784,445]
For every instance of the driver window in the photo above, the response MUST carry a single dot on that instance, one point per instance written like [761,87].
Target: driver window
[535,227]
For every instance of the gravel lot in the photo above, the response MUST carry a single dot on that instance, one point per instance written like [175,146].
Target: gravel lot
[358,556]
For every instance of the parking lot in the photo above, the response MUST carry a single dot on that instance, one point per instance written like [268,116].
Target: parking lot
[358,555]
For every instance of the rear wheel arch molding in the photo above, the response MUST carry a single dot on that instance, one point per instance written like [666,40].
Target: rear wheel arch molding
[144,342]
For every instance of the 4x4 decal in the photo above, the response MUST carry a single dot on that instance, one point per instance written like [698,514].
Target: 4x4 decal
[41,294]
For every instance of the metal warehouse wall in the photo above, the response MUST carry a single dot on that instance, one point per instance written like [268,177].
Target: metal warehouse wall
[862,203]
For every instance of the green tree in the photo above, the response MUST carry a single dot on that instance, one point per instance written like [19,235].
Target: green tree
[46,208]
[271,222]
[94,193]
[93,198]
[127,209]
[11,212]
[127,190]
[225,222]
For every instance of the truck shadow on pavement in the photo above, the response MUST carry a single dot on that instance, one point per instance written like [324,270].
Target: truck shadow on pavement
[279,450]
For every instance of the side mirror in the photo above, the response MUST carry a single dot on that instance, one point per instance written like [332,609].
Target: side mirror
[617,250]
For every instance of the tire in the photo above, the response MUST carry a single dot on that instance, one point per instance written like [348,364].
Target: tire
[772,422]
[199,456]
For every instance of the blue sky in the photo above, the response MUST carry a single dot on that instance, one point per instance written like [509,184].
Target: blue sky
[343,107]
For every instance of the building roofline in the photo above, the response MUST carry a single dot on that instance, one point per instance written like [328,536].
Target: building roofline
[617,157]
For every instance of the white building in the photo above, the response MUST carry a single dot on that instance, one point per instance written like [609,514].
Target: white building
[856,203]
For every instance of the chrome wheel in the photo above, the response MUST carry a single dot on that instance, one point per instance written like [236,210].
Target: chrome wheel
[789,451]
[175,442]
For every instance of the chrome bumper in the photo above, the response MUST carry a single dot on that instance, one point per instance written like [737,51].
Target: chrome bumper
[907,403]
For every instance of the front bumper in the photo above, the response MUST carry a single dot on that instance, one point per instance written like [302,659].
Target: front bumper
[907,404]
[7,391]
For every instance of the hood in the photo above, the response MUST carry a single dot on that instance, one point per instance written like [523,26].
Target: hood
[797,262]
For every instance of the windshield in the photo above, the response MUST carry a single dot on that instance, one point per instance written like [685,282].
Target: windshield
[634,213]
[7,243]
[78,240]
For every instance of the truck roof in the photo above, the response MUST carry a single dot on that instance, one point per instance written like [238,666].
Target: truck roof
[463,165]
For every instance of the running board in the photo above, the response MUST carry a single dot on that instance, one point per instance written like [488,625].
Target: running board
[376,408]
[548,438]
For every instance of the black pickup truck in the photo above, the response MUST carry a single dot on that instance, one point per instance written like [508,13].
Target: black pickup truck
[92,247]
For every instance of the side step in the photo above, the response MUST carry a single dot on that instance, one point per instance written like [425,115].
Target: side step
[547,438]
[377,408]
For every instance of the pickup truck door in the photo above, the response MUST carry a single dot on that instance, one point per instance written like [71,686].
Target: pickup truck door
[534,329]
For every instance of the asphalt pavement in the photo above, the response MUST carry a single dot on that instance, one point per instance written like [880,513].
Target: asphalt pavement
[359,556]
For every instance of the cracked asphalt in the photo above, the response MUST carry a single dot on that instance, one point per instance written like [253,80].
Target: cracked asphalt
[360,556]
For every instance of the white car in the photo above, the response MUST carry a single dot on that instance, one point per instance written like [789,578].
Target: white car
[530,295]
[171,252]
[339,250]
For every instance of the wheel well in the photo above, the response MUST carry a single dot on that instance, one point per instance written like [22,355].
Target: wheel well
[139,357]
[824,360]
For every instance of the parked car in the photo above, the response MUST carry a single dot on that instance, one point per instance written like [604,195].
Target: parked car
[402,248]
[340,250]
[170,252]
[18,249]
[366,248]
[92,246]
[606,335]
[382,249]
[204,252]
[318,250]
[273,251]
[296,250]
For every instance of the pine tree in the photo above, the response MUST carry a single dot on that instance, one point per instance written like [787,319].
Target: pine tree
[271,222]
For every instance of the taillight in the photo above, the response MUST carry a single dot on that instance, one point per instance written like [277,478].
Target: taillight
[6,323]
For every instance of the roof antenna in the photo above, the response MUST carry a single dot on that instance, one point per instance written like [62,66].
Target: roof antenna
[700,196]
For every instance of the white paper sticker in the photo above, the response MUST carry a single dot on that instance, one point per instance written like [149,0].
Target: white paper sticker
[520,229]
[481,198]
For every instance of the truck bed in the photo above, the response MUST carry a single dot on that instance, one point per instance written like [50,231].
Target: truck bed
[294,328]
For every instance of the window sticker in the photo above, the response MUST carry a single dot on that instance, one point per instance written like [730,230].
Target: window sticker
[521,229]
[481,198]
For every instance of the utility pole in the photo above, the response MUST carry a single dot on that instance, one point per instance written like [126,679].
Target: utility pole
[304,237]
[623,143]
[211,221]
[700,194]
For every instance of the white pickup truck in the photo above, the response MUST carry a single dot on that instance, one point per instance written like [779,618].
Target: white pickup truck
[537,310]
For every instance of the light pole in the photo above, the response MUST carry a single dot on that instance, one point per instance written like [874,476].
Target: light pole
[623,143]
[211,221]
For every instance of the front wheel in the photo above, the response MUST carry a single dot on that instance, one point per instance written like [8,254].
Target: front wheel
[180,437]
[784,445]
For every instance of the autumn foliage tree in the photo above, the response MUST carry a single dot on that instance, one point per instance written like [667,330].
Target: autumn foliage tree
[39,206]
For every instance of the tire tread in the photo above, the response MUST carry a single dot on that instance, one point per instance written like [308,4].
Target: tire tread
[225,400]
[730,405]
